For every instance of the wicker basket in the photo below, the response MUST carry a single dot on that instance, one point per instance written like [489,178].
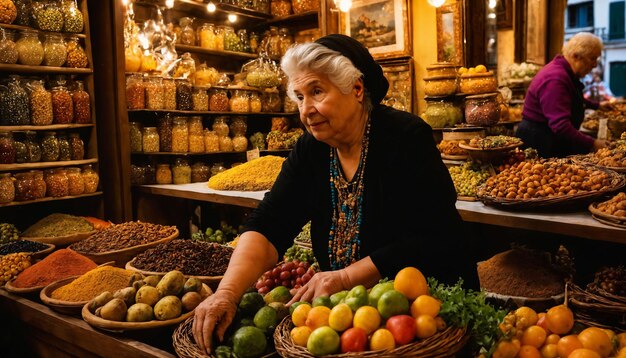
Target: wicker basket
[443,344]
[600,309]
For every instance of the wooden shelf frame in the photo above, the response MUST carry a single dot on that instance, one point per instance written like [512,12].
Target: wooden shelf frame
[222,53]
[49,199]
[197,113]
[62,33]
[51,127]
[44,69]
[42,165]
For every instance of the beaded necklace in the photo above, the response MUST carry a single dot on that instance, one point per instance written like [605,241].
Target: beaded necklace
[347,200]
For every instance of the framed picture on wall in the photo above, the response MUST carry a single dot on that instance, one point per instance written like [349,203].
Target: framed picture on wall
[536,31]
[383,26]
[450,34]
[400,75]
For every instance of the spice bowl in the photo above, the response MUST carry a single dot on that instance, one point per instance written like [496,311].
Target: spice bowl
[514,302]
[29,292]
[38,255]
[65,307]
[61,240]
[211,281]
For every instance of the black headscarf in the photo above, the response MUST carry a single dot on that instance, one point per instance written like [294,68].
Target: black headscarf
[373,78]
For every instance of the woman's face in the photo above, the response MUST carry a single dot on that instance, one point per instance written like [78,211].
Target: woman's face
[584,64]
[327,113]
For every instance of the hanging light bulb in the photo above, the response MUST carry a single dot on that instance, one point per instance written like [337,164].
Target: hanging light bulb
[436,3]
[169,4]
[125,2]
[345,5]
[211,7]
[232,18]
[492,4]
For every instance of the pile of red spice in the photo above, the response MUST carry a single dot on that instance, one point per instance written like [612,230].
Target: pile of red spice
[59,265]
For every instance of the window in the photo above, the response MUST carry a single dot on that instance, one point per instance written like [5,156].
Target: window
[616,20]
[580,15]
[617,83]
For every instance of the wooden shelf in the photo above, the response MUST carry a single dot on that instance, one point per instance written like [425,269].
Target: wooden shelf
[20,27]
[41,165]
[201,192]
[199,8]
[46,199]
[196,113]
[204,51]
[184,153]
[52,127]
[308,17]
[43,69]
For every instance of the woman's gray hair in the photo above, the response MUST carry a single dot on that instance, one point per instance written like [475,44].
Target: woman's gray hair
[320,59]
[583,44]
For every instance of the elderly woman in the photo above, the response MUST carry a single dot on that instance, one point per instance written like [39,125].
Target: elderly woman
[368,177]
[554,106]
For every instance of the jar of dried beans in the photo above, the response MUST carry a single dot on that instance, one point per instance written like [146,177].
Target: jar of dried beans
[49,16]
[7,148]
[271,101]
[82,104]
[280,8]
[137,174]
[24,186]
[136,141]
[64,148]
[200,99]
[77,147]
[57,183]
[169,94]
[76,56]
[8,48]
[226,144]
[240,143]
[180,135]
[55,51]
[76,183]
[135,92]
[196,135]
[211,141]
[21,154]
[220,126]
[72,17]
[219,100]
[62,105]
[50,147]
[238,126]
[39,184]
[29,48]
[255,102]
[187,35]
[33,148]
[40,104]
[154,92]
[184,93]
[14,103]
[7,189]
[239,101]
[23,12]
[164,128]
[163,174]
[206,36]
[482,110]
[200,172]
[181,172]
[91,178]
[150,140]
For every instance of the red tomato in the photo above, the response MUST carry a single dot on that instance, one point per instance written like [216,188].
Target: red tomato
[353,340]
[403,328]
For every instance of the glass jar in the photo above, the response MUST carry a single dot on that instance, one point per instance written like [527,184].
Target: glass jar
[240,143]
[206,36]
[7,148]
[135,92]
[219,100]
[76,183]
[440,85]
[62,105]
[150,174]
[154,92]
[220,126]
[289,106]
[238,126]
[211,141]
[163,174]
[239,101]
[136,137]
[8,48]
[482,110]
[169,94]
[217,168]
[76,56]
[150,140]
[40,104]
[72,17]
[132,58]
[244,40]
[39,184]
[33,147]
[196,135]
[91,179]
[180,135]
[7,189]
[21,152]
[50,150]
[54,50]
[440,113]
[280,8]
[274,43]
[231,40]
[271,101]
[206,76]
[186,67]
[200,99]
[77,147]
[164,128]
[184,93]
[24,186]
[226,144]
[49,16]
[254,42]
[200,172]
[477,83]
[187,35]
[219,38]
[23,12]
[300,6]
[57,183]
[29,48]
[137,174]
[14,103]
[262,6]
[82,103]
[255,102]
[181,172]
[148,61]
[65,152]
[286,40]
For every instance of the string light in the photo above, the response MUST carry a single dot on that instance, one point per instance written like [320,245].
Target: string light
[232,18]
[345,5]
[211,7]
[436,3]
[169,4]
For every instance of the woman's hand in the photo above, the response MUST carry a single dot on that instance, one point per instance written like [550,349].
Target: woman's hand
[607,106]
[599,143]
[213,314]
[321,284]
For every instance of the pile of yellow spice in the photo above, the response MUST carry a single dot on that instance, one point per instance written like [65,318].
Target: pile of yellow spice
[255,175]
[92,283]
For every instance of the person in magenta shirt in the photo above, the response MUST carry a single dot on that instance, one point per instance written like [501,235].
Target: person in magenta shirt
[554,106]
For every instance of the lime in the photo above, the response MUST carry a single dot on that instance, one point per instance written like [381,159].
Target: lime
[249,342]
[278,294]
[357,297]
[323,341]
[265,318]
[378,291]
[338,297]
[392,303]
[322,301]
[250,303]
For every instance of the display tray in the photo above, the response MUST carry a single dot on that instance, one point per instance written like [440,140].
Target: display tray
[466,198]
[60,240]
[586,159]
[488,154]
[212,281]
[454,157]
[620,224]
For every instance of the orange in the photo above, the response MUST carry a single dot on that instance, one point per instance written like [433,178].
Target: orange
[318,317]
[597,340]
[621,353]
[560,319]
[553,339]
[367,318]
[567,345]
[300,314]
[300,335]
[382,339]
[549,351]
[426,326]
[529,352]
[340,317]
[584,353]
[534,336]
[411,283]
[425,304]
[610,333]
[525,317]
[505,349]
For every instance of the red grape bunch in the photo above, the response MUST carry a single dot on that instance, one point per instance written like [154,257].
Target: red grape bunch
[291,274]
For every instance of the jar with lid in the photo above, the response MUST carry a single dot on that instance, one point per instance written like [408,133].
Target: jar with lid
[135,92]
[49,16]
[8,48]
[14,103]
[280,8]
[286,40]
[482,110]
[184,94]
[231,40]
[181,172]
[132,58]
[40,104]
[240,143]
[7,189]
[24,186]
[77,147]
[219,100]
[54,50]
[300,6]
[23,8]
[262,6]
[150,140]
[187,35]
[271,101]
[57,183]
[441,113]
[206,36]
[289,106]
[217,168]
[148,61]
[196,135]
[82,103]
[72,17]
[219,38]
[150,174]
[255,102]
[274,43]
[164,128]
[76,183]
[163,174]
[33,148]
[186,67]
[226,144]
[137,174]
[136,137]
[65,153]
[200,99]
[62,105]
[169,94]
[154,92]
[244,41]
[91,179]
[205,76]
[220,126]
[254,42]
[239,101]
[7,148]
[238,126]
[39,184]
[200,172]
[76,56]
[50,150]
[180,135]
[29,48]
[211,141]
[21,152]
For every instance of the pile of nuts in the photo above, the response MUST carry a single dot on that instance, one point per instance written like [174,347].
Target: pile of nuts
[615,206]
[12,264]
[451,147]
[123,236]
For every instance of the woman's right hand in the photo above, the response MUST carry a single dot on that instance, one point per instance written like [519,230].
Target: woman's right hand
[599,143]
[214,314]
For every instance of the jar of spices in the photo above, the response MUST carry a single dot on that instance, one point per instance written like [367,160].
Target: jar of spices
[76,183]
[49,17]
[231,40]
[8,48]
[226,144]
[220,126]
[8,12]
[150,140]
[65,153]
[14,103]
[137,174]
[7,189]
[29,48]
[21,153]
[82,103]
[274,43]
[255,102]
[180,135]
[482,110]
[150,174]
[136,138]
[72,17]
[239,101]
[23,8]
[211,141]
[219,100]
[240,143]
[76,56]
[40,104]
[271,101]
[62,105]
[77,147]
[7,148]
[135,92]
[219,38]
[441,113]
[200,99]
[184,94]
[181,172]
[33,148]
[187,35]
[57,183]
[50,147]
[244,40]
[280,8]
[286,40]
[206,36]
[254,42]
[91,179]
[300,6]
[200,172]
[54,50]
[39,184]
[169,94]
[238,126]
[24,186]
[217,168]
[154,92]
[196,135]
[163,174]
[164,128]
